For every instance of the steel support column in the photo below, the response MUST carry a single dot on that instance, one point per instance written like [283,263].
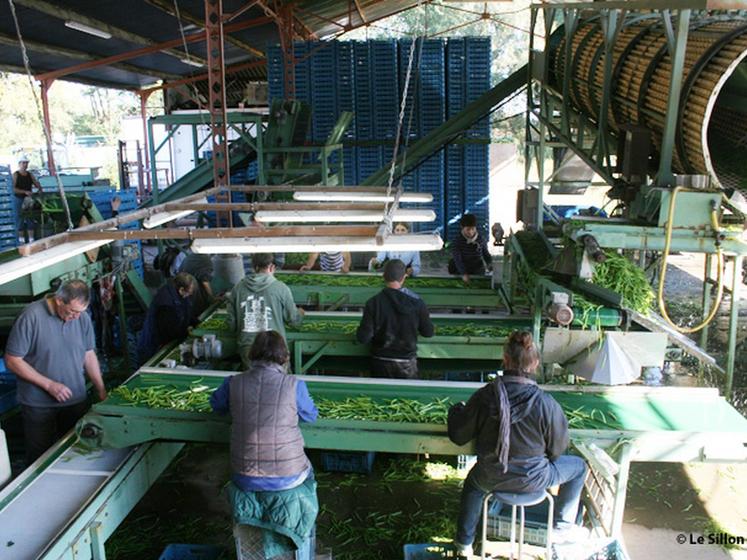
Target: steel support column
[141,190]
[45,85]
[217,87]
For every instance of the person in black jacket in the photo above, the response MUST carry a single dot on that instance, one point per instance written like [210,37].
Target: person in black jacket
[391,322]
[469,251]
[521,434]
[169,315]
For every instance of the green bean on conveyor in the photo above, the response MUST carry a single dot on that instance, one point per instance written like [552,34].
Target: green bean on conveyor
[350,281]
[196,399]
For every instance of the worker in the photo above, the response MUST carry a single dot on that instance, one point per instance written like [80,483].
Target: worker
[329,262]
[49,347]
[266,446]
[521,434]
[169,315]
[200,266]
[23,183]
[391,322]
[410,258]
[469,251]
[260,302]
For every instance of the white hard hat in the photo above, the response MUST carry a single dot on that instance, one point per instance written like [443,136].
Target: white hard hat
[23,158]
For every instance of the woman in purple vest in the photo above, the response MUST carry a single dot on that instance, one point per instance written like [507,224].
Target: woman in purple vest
[266,406]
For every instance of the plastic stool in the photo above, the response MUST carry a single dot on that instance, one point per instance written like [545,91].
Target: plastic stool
[521,501]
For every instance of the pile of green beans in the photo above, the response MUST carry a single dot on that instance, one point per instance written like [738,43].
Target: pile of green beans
[594,419]
[214,324]
[622,276]
[385,410]
[349,327]
[194,399]
[534,248]
[355,281]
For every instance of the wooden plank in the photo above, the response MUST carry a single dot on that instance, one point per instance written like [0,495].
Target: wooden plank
[226,233]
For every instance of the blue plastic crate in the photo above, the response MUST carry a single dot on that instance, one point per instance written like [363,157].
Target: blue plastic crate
[350,462]
[191,552]
[429,551]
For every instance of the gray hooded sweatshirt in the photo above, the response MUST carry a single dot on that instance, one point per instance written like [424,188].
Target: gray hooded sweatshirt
[258,303]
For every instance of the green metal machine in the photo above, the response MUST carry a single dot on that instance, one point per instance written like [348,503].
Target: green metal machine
[468,338]
[329,292]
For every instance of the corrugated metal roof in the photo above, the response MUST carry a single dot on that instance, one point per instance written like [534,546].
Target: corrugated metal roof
[135,24]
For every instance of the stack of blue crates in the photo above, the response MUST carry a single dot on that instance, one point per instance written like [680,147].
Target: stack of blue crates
[411,124]
[103,198]
[8,231]
[368,78]
[476,164]
[455,102]
[368,157]
[432,114]
[346,102]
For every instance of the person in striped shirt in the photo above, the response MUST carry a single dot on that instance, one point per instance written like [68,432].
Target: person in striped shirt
[329,262]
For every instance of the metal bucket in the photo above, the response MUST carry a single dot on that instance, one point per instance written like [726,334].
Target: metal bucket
[228,270]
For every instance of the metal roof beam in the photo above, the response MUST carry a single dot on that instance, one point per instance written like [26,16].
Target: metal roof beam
[63,13]
[54,50]
[192,79]
[193,37]
[168,8]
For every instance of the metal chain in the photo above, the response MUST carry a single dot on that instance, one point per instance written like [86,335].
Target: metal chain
[39,113]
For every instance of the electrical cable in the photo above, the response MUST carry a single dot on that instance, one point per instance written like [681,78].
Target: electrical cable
[663,270]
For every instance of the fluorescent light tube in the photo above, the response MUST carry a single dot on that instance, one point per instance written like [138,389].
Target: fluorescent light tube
[83,28]
[26,265]
[409,242]
[160,218]
[357,216]
[363,196]
[191,62]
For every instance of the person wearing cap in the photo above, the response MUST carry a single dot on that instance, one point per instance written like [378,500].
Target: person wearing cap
[469,251]
[391,323]
[23,184]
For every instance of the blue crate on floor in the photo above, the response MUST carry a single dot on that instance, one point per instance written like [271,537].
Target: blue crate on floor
[8,398]
[349,461]
[429,551]
[191,552]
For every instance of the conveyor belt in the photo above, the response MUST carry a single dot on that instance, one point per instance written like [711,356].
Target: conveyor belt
[667,424]
[53,506]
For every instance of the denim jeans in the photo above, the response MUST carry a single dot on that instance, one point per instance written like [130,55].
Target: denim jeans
[568,471]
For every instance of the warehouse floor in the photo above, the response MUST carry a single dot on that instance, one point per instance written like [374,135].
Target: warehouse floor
[372,516]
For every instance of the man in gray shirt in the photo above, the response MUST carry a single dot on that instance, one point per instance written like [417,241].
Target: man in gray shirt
[50,345]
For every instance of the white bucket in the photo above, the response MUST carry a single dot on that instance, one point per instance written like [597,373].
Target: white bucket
[4,460]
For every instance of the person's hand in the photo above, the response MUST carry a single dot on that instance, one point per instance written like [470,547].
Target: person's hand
[345,269]
[302,311]
[102,394]
[304,267]
[59,391]
[465,278]
[408,271]
[28,194]
[373,263]
[116,202]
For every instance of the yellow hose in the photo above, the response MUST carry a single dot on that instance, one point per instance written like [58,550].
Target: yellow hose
[663,271]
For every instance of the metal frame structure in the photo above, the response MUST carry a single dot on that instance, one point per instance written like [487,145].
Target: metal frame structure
[552,121]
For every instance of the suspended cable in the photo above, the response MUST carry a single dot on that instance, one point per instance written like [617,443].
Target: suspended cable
[39,113]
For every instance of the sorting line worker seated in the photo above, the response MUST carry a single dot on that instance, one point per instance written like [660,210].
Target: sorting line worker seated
[391,322]
[521,433]
[273,480]
[329,262]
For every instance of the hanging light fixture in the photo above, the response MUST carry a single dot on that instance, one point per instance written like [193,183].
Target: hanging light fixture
[83,28]
[161,218]
[410,242]
[358,216]
[363,196]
